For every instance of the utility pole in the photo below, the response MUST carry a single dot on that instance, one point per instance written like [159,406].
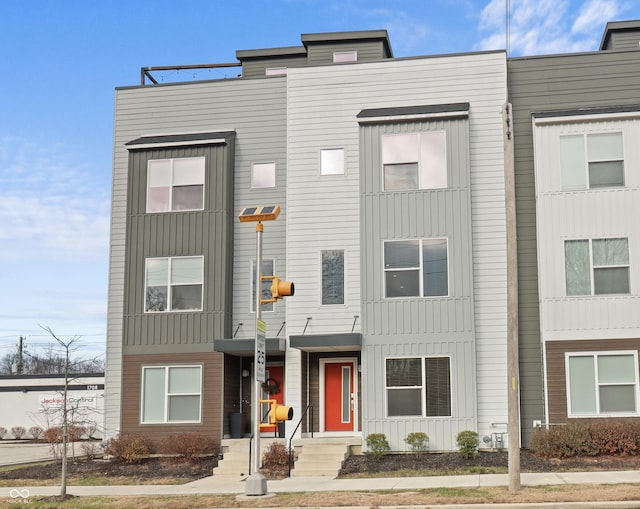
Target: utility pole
[513,384]
[20,348]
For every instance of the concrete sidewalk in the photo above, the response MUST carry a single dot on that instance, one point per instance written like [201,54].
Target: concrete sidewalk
[213,485]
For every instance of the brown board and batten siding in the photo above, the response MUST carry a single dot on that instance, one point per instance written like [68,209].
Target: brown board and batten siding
[556,369]
[212,372]
[537,84]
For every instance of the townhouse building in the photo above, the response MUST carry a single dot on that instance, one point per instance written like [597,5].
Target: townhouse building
[390,177]
[576,125]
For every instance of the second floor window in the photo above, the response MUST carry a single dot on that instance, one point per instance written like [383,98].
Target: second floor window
[414,161]
[332,277]
[174,284]
[589,161]
[416,268]
[596,266]
[175,184]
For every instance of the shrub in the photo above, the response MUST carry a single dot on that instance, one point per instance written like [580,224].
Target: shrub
[129,448]
[36,432]
[91,430]
[91,449]
[18,432]
[3,432]
[188,446]
[583,439]
[417,441]
[53,435]
[468,443]
[75,433]
[276,455]
[378,445]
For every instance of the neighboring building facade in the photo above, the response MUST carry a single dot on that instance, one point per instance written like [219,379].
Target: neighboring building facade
[389,173]
[576,124]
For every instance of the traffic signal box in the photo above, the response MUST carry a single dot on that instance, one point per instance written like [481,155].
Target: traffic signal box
[279,289]
[277,412]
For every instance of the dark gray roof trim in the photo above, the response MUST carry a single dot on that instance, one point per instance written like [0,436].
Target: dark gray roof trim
[456,110]
[246,347]
[618,26]
[327,342]
[175,140]
[289,51]
[587,111]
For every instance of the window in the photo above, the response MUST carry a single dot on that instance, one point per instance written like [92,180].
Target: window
[175,184]
[345,56]
[174,284]
[418,386]
[332,161]
[263,175]
[267,270]
[597,267]
[416,268]
[171,394]
[602,383]
[414,161]
[276,71]
[590,161]
[332,277]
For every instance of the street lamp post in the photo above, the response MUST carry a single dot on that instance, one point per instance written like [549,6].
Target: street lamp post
[256,484]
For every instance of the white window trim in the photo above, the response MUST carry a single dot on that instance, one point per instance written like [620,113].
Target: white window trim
[166,393]
[592,268]
[344,163]
[352,54]
[171,186]
[418,162]
[420,267]
[169,285]
[344,278]
[275,175]
[423,387]
[595,355]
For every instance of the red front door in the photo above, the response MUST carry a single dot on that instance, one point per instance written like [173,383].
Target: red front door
[274,374]
[339,396]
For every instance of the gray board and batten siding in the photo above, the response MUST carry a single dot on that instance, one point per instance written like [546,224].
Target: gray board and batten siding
[546,84]
[255,110]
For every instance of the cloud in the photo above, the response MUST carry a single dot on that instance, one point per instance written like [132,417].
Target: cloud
[51,205]
[545,26]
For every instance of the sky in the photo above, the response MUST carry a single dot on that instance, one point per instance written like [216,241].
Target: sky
[62,60]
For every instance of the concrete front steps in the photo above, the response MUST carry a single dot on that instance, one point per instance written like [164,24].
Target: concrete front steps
[322,456]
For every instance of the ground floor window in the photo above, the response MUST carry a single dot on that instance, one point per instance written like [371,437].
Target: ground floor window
[418,386]
[171,394]
[602,383]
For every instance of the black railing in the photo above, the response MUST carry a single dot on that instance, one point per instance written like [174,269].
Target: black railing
[310,410]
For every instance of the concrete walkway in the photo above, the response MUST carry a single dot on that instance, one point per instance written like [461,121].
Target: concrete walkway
[11,454]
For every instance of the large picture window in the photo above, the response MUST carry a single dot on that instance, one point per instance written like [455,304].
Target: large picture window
[416,268]
[589,161]
[174,284]
[175,184]
[171,394]
[602,384]
[597,266]
[332,277]
[418,386]
[414,161]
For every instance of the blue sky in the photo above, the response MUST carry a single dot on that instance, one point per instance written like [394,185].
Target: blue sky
[61,61]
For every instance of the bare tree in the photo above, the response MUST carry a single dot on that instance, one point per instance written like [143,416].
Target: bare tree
[47,363]
[68,347]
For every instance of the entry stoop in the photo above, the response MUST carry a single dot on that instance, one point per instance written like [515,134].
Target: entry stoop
[321,456]
[235,462]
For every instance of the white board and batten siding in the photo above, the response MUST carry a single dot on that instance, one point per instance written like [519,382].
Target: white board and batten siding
[585,214]
[255,109]
[323,103]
